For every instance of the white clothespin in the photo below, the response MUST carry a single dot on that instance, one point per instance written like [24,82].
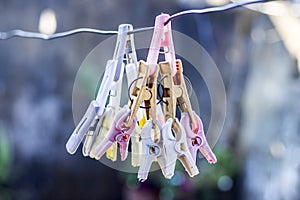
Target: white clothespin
[118,133]
[132,74]
[95,109]
[177,148]
[110,84]
[115,92]
[151,151]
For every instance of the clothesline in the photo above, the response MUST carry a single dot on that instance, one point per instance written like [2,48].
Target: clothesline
[36,35]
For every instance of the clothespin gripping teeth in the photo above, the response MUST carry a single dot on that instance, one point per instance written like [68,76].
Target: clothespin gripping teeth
[150,150]
[196,138]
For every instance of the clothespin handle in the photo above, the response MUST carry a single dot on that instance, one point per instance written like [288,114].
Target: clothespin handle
[124,46]
[116,90]
[130,48]
[105,87]
[120,48]
[162,37]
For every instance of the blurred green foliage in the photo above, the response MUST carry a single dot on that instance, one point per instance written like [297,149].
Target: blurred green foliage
[5,162]
[182,185]
[5,155]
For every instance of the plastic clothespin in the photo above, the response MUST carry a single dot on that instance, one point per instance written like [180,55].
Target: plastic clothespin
[176,146]
[103,130]
[132,74]
[110,110]
[123,43]
[95,109]
[176,65]
[151,150]
[162,37]
[117,133]
[114,69]
[191,122]
[124,47]
[152,143]
[114,98]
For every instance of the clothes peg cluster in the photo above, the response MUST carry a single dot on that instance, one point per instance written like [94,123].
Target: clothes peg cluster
[149,126]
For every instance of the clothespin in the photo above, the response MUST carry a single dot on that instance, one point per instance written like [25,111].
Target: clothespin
[136,143]
[162,37]
[151,150]
[175,147]
[183,99]
[125,46]
[109,87]
[195,135]
[95,109]
[153,145]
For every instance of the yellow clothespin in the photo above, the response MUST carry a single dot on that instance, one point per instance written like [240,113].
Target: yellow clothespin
[175,146]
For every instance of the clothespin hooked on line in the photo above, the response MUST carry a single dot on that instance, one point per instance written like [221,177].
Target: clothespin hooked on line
[119,131]
[110,84]
[178,147]
[153,145]
[124,46]
[195,136]
[162,138]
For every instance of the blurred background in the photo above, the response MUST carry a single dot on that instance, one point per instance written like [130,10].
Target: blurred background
[257,50]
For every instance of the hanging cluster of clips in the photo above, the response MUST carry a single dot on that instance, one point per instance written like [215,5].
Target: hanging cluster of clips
[155,132]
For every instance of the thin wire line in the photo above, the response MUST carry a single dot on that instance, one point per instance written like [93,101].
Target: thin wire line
[27,34]
[213,9]
[35,35]
[138,30]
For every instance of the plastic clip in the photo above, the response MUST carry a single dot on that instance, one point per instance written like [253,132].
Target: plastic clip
[195,134]
[174,146]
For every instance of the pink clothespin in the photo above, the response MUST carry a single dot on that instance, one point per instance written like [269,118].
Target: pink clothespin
[196,138]
[117,133]
[162,37]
